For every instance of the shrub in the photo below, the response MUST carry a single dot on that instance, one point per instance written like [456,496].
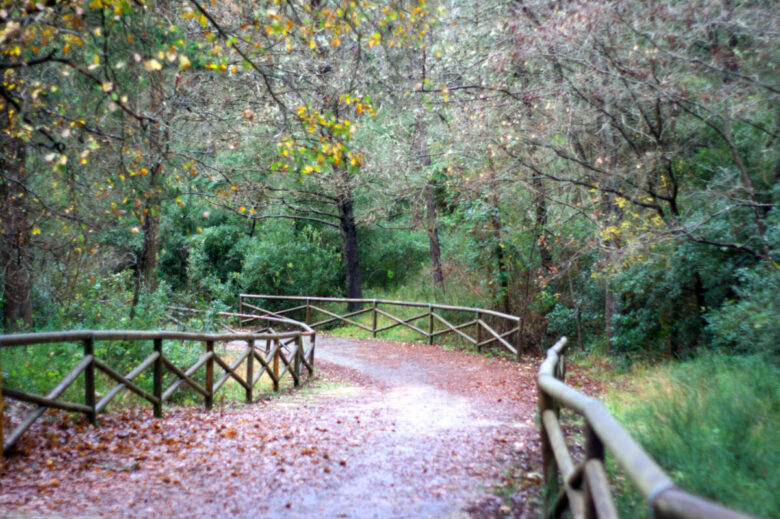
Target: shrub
[752,322]
[389,258]
[289,264]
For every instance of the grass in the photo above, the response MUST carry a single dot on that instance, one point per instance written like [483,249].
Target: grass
[712,424]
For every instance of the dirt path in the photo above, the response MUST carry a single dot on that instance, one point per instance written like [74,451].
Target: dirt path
[389,430]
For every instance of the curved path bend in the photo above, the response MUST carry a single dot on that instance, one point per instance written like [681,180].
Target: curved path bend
[387,430]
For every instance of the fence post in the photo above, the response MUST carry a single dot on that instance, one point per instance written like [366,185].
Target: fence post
[89,380]
[297,360]
[210,374]
[2,410]
[549,465]
[250,370]
[311,356]
[430,323]
[308,311]
[373,327]
[158,376]
[518,339]
[276,365]
[594,449]
[479,332]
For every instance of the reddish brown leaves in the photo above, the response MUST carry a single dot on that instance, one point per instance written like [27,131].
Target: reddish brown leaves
[424,440]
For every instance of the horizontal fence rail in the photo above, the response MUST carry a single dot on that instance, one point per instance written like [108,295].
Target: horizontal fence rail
[583,488]
[476,330]
[275,353]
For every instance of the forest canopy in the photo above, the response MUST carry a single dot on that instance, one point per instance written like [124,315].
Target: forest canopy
[605,169]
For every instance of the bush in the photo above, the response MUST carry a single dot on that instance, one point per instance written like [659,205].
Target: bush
[283,263]
[751,323]
[389,258]
[712,424]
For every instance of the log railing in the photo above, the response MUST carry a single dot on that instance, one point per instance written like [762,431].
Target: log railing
[476,330]
[583,488]
[273,353]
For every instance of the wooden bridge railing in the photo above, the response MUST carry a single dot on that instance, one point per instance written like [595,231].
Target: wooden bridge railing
[271,350]
[476,330]
[585,491]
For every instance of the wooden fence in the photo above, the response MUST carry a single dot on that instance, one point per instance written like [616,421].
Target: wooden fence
[583,488]
[277,353]
[475,330]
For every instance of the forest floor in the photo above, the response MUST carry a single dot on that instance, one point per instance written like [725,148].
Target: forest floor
[386,429]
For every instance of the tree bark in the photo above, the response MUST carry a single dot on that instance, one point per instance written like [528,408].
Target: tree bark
[14,230]
[433,237]
[349,244]
[146,273]
[540,207]
[495,221]
[424,154]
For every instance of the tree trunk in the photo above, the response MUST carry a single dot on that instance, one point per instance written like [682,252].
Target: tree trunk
[540,206]
[424,155]
[611,312]
[14,231]
[350,250]
[433,237]
[495,221]
[146,273]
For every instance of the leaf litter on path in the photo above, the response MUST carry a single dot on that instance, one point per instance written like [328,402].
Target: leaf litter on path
[386,429]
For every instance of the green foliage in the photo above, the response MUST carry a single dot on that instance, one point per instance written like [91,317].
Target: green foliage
[665,294]
[283,263]
[213,262]
[102,304]
[389,258]
[712,424]
[750,323]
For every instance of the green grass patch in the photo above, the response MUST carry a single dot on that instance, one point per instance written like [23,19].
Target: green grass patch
[712,424]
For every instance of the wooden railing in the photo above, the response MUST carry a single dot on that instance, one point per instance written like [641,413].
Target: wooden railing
[475,330]
[583,488]
[278,353]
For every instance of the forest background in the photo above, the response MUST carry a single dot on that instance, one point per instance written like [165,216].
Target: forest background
[607,170]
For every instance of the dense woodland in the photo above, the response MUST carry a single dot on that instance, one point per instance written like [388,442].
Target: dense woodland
[606,170]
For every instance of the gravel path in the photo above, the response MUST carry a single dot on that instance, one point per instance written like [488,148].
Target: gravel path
[387,429]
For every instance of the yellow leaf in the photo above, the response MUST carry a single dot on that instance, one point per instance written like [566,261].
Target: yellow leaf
[36,231]
[152,65]
[184,62]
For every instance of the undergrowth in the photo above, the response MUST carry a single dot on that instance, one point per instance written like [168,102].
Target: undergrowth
[711,423]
